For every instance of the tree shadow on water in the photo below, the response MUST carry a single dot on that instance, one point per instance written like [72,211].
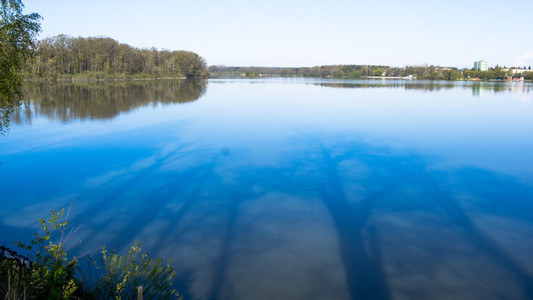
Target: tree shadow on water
[222,227]
[135,180]
[364,276]
[383,175]
[185,185]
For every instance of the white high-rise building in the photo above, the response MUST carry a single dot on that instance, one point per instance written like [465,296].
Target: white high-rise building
[481,65]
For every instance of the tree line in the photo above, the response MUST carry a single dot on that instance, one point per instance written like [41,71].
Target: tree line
[335,71]
[103,57]
[358,71]
[498,73]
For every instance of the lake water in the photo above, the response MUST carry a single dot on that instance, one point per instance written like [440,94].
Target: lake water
[287,188]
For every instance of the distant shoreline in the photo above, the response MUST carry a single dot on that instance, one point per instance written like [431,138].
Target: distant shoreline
[378,72]
[362,78]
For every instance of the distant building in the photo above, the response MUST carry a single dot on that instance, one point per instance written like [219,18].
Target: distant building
[481,65]
[518,71]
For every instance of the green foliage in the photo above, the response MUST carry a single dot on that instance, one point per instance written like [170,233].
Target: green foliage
[343,71]
[492,74]
[17,282]
[355,74]
[369,71]
[338,73]
[251,74]
[451,75]
[104,58]
[53,274]
[121,275]
[17,35]
[433,75]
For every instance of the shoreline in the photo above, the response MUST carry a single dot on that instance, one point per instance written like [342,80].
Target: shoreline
[366,78]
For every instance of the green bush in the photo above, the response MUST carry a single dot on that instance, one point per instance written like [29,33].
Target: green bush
[121,275]
[54,276]
[16,282]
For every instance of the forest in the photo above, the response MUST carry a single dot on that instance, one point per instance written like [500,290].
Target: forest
[81,58]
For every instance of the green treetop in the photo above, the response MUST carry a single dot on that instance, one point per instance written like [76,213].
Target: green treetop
[17,35]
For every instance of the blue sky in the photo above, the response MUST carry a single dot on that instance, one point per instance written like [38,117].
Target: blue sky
[307,33]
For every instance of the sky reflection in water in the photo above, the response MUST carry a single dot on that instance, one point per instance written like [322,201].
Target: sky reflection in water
[289,188]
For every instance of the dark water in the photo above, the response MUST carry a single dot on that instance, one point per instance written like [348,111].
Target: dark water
[288,188]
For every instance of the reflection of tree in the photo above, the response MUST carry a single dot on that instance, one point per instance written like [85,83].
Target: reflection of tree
[480,89]
[398,84]
[67,101]
[430,85]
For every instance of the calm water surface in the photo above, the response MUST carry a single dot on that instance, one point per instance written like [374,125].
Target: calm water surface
[288,188]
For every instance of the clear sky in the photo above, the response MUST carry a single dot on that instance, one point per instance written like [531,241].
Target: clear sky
[307,33]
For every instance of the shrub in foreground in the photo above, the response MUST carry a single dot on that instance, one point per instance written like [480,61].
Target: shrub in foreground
[49,273]
[121,275]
